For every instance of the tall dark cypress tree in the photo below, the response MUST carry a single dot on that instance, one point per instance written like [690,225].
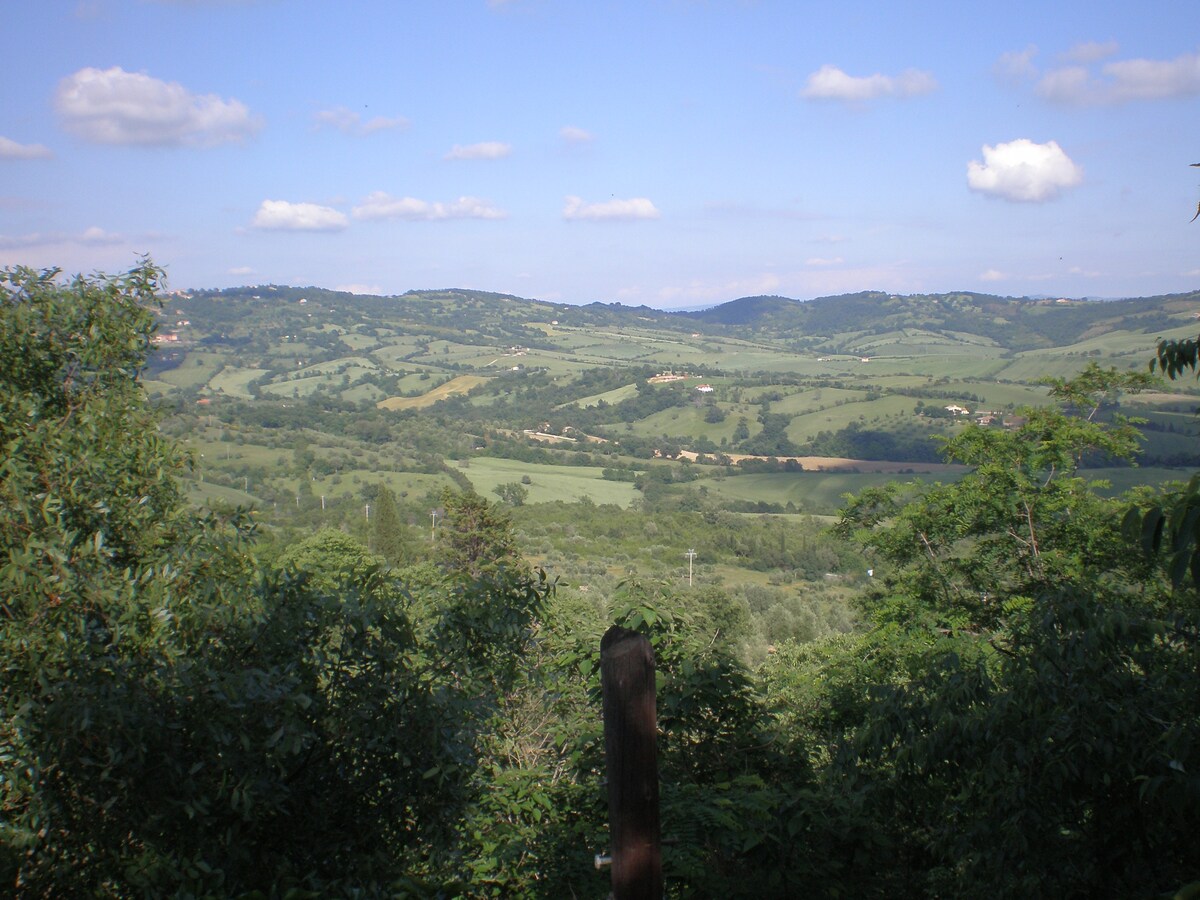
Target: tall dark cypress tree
[389,538]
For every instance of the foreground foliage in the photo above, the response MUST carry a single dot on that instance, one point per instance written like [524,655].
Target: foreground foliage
[177,718]
[182,718]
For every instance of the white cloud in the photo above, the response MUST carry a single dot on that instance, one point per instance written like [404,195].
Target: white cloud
[1091,51]
[381,205]
[485,150]
[1149,79]
[112,106]
[824,261]
[348,121]
[1123,81]
[383,123]
[96,235]
[993,275]
[10,149]
[1017,65]
[1070,84]
[339,117]
[831,83]
[280,215]
[574,135]
[93,236]
[1023,171]
[241,270]
[633,208]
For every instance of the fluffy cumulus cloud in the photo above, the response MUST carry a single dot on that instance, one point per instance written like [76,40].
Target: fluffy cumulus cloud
[10,149]
[831,83]
[112,106]
[1023,171]
[280,215]
[574,208]
[348,121]
[484,150]
[381,205]
[1119,81]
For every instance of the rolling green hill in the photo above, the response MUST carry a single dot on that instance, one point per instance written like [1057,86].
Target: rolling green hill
[292,396]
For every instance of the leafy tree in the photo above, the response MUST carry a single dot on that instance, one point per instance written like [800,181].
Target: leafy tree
[330,558]
[1022,522]
[512,493]
[1175,356]
[175,719]
[1041,733]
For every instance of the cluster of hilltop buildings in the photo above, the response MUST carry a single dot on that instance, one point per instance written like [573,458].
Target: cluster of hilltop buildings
[985,417]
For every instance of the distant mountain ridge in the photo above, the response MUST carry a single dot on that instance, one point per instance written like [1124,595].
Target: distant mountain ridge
[851,323]
[1017,323]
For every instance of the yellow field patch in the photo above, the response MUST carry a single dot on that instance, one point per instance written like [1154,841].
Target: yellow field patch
[458,385]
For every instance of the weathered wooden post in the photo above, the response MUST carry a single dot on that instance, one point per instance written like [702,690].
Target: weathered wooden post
[631,760]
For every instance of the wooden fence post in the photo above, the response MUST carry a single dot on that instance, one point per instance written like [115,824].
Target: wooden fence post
[631,761]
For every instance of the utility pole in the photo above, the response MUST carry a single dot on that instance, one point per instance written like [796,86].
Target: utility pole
[368,510]
[691,555]
[433,525]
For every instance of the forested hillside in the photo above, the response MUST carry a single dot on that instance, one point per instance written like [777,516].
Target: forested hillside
[264,632]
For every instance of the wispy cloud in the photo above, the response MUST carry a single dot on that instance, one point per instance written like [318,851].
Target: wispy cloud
[10,149]
[347,121]
[381,205]
[241,270]
[824,261]
[1017,65]
[574,208]
[281,215]
[1091,51]
[112,106]
[831,83]
[574,135]
[93,236]
[1023,171]
[484,150]
[1119,81]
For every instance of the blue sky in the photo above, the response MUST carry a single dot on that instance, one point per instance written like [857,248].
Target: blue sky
[664,152]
